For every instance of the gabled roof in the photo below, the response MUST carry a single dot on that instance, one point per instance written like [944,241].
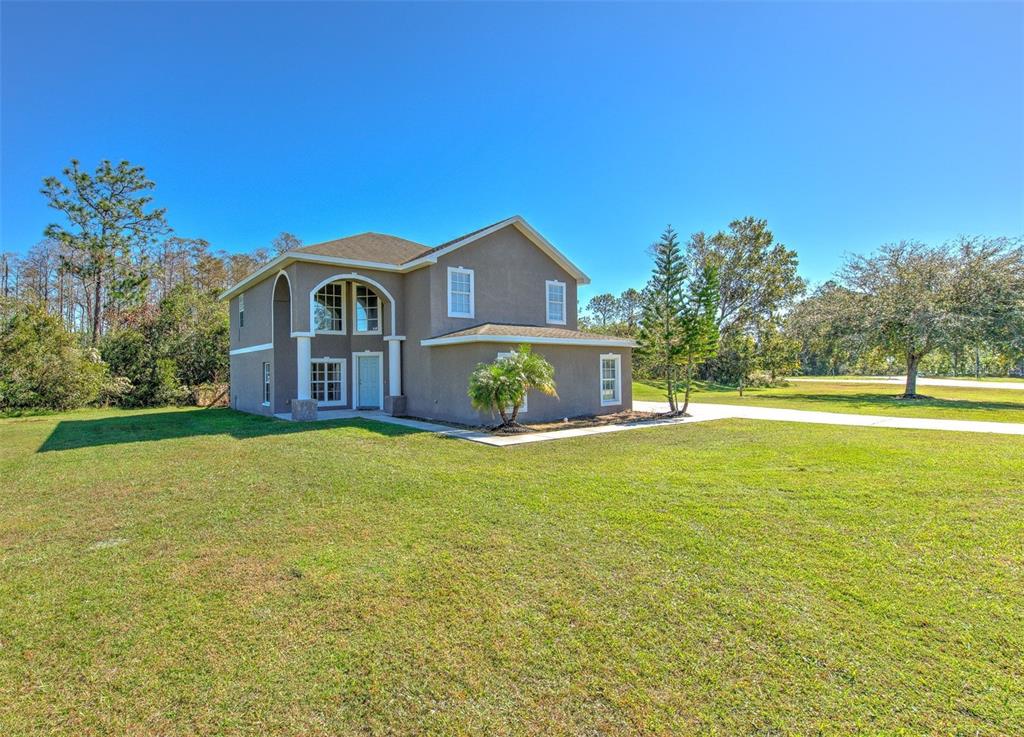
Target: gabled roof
[491,332]
[390,253]
[387,249]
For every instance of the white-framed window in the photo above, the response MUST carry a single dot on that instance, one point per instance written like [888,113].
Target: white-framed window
[266,383]
[526,399]
[329,308]
[555,302]
[327,380]
[367,310]
[611,379]
[460,292]
[241,310]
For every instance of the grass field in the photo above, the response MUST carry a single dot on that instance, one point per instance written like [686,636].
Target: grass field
[201,572]
[951,403]
[860,377]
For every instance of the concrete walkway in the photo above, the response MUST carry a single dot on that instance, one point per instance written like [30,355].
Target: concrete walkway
[700,413]
[921,381]
[485,438]
[774,414]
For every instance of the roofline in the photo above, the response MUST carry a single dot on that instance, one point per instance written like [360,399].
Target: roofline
[418,262]
[525,228]
[288,258]
[536,340]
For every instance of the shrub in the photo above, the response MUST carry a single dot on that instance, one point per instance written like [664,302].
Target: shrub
[501,386]
[41,364]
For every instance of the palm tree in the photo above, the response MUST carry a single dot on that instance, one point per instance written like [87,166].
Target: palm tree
[501,386]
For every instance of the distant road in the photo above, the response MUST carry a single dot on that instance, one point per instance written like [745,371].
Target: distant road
[922,381]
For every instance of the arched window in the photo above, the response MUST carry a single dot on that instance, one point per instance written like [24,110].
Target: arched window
[329,308]
[367,310]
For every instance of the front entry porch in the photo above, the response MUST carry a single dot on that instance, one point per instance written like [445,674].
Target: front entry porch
[346,360]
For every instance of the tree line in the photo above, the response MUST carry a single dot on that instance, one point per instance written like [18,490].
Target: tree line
[730,308]
[112,305]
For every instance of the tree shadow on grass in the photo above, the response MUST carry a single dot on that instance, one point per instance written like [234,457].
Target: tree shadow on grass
[867,401]
[153,426]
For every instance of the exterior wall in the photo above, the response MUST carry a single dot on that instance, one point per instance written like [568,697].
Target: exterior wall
[247,379]
[282,370]
[577,378]
[306,276]
[417,368]
[509,275]
[258,302]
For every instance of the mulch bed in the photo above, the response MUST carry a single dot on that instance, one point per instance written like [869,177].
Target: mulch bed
[619,418]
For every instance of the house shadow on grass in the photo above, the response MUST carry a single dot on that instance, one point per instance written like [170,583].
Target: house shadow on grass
[154,426]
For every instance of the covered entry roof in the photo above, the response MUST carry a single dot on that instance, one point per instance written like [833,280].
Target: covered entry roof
[491,332]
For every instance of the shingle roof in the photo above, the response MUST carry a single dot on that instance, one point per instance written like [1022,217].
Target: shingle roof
[461,237]
[376,247]
[527,331]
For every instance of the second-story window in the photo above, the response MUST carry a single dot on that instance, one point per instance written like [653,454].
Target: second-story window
[241,310]
[460,292]
[555,302]
[329,308]
[367,310]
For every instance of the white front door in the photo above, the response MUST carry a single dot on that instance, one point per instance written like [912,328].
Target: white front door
[368,388]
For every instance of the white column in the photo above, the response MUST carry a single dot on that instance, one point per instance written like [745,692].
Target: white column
[394,366]
[302,368]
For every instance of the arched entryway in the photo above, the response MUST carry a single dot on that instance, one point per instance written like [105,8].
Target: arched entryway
[351,342]
[283,378]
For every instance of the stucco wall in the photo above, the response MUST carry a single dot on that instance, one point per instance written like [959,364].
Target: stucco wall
[247,380]
[306,276]
[509,274]
[283,363]
[258,303]
[577,372]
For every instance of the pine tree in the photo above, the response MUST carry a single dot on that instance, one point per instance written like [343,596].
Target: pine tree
[661,338]
[700,327]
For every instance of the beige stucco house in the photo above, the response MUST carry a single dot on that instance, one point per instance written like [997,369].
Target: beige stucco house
[373,321]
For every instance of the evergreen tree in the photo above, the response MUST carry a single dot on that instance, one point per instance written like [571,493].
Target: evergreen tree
[109,224]
[699,326]
[662,332]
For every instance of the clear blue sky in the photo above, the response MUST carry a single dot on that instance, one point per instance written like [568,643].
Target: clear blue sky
[845,125]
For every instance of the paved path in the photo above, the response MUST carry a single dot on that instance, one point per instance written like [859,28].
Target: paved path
[700,413]
[723,411]
[496,440]
[921,381]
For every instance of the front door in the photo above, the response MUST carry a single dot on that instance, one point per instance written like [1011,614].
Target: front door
[368,381]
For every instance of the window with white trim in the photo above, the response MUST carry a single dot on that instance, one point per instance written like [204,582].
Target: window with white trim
[367,310]
[611,379]
[329,308]
[327,380]
[266,384]
[555,302]
[241,310]
[460,292]
[526,399]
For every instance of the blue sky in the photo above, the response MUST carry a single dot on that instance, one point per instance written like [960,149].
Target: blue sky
[845,125]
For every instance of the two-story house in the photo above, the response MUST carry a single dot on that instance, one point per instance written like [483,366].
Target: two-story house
[373,321]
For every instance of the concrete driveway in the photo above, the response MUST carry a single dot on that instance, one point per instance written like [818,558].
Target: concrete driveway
[921,381]
[701,411]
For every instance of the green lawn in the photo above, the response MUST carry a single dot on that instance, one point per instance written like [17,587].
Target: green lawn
[860,377]
[952,403]
[203,572]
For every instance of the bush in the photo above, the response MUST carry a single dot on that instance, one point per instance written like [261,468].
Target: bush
[502,385]
[41,364]
[167,354]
